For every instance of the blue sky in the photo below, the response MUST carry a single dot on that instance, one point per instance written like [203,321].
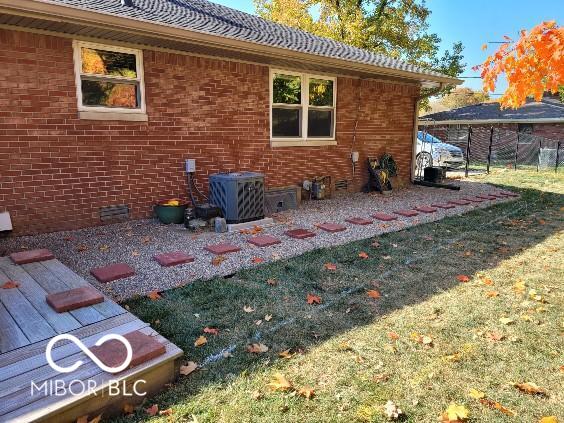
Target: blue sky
[474,22]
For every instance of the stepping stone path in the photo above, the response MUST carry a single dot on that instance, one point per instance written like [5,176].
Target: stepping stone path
[459,202]
[496,195]
[144,347]
[486,197]
[426,209]
[332,227]
[264,241]
[220,249]
[359,221]
[443,206]
[73,299]
[474,199]
[113,272]
[299,233]
[406,213]
[384,217]
[32,256]
[173,259]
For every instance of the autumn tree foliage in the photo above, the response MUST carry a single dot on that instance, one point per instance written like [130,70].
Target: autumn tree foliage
[532,65]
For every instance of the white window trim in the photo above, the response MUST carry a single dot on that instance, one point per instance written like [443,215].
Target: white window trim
[109,113]
[304,140]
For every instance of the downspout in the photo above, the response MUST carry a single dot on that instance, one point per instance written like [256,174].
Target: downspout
[416,126]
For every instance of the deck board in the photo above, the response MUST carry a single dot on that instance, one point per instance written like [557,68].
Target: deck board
[11,336]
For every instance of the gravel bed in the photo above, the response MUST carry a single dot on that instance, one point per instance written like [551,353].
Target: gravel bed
[136,242]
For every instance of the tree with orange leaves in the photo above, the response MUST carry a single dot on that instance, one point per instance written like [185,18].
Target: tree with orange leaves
[532,65]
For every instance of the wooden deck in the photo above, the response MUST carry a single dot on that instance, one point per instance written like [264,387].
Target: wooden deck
[27,323]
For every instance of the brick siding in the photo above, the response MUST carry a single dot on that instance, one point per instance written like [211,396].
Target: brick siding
[56,170]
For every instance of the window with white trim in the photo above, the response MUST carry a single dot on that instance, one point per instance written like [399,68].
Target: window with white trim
[108,78]
[303,107]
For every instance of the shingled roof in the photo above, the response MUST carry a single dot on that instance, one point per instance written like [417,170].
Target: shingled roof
[210,18]
[550,109]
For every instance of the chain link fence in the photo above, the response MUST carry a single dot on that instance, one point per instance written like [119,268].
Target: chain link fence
[485,147]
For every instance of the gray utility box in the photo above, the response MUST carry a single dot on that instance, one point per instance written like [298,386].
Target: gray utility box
[239,195]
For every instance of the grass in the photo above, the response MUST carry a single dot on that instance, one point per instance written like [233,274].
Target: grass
[343,348]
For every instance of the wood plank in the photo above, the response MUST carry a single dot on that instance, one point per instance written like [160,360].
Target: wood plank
[108,308]
[63,350]
[51,283]
[11,336]
[88,371]
[37,348]
[35,294]
[28,319]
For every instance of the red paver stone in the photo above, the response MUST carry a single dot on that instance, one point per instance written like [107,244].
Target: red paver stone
[443,206]
[113,353]
[299,233]
[460,202]
[220,249]
[384,217]
[474,199]
[332,227]
[426,209]
[485,197]
[496,195]
[406,213]
[74,298]
[173,259]
[359,221]
[508,194]
[32,256]
[113,272]
[263,241]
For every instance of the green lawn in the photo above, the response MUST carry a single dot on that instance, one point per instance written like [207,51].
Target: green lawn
[344,348]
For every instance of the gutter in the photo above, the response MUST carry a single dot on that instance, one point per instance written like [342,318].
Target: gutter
[424,122]
[62,13]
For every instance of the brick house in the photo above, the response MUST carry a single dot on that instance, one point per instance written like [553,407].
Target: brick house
[102,101]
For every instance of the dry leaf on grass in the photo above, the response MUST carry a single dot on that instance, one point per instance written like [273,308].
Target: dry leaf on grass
[393,336]
[188,368]
[272,282]
[10,285]
[279,383]
[463,278]
[495,336]
[257,260]
[202,340]
[549,419]
[455,414]
[372,293]
[330,266]
[363,255]
[152,410]
[287,354]
[248,309]
[392,411]
[213,331]
[494,405]
[531,388]
[306,392]
[257,348]
[492,294]
[268,317]
[474,393]
[154,295]
[167,412]
[506,320]
[313,299]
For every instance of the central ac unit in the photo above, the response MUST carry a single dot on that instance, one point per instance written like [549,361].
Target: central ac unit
[239,195]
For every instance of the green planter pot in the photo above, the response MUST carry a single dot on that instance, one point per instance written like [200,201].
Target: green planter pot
[170,214]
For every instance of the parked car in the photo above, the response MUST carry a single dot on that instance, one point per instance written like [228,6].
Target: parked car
[431,151]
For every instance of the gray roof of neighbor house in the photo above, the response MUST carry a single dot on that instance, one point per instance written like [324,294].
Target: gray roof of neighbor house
[550,109]
[205,17]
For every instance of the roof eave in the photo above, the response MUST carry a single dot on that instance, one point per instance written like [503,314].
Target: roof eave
[56,12]
[431,122]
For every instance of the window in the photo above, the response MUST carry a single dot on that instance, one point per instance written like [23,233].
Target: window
[109,79]
[303,109]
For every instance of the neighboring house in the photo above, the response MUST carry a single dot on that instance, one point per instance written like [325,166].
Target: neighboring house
[544,118]
[103,100]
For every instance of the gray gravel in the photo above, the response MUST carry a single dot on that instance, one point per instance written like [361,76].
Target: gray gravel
[136,242]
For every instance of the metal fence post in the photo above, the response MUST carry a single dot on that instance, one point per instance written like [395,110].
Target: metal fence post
[557,157]
[468,150]
[538,154]
[516,152]
[490,149]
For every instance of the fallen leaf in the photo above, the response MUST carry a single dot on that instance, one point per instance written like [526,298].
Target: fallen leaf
[363,255]
[474,393]
[257,260]
[213,331]
[258,322]
[375,244]
[463,278]
[272,282]
[217,260]
[454,414]
[248,309]
[380,377]
[487,281]
[10,285]
[372,293]
[257,348]
[268,318]
[531,388]
[506,320]
[313,299]
[154,295]
[549,419]
[519,287]
[330,266]
[188,368]
[306,392]
[104,248]
[128,408]
[393,336]
[279,383]
[286,354]
[167,412]
[392,411]
[256,395]
[82,248]
[495,336]
[496,406]
[152,410]
[492,294]
[135,253]
[202,340]
[386,257]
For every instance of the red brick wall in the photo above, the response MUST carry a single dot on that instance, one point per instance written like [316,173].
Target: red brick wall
[56,171]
